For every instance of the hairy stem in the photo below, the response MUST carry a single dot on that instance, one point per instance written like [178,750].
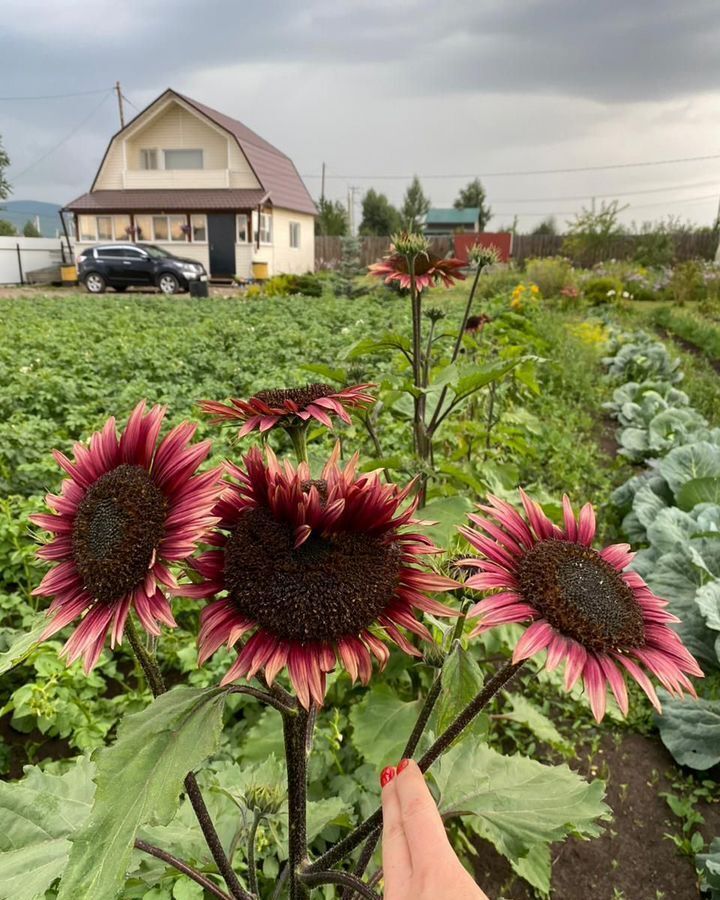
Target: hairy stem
[441,744]
[252,868]
[435,421]
[313,879]
[295,732]
[157,686]
[422,445]
[298,436]
[263,696]
[183,867]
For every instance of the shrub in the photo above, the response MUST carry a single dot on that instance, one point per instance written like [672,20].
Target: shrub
[551,274]
[602,290]
[285,285]
[687,283]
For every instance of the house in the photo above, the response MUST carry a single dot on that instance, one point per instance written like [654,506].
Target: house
[203,186]
[451,221]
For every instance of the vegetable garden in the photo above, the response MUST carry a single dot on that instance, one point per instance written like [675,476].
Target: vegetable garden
[547,379]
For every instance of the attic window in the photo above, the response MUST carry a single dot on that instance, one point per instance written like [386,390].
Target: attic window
[183,159]
[149,159]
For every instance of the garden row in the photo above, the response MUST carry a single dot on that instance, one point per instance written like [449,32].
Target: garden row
[672,508]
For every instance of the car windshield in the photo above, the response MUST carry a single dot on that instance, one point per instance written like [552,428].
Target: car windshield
[156,252]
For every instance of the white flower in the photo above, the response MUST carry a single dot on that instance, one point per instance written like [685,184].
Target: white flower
[625,294]
[345,331]
[610,293]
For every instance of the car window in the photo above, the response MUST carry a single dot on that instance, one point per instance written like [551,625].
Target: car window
[157,252]
[134,254]
[112,252]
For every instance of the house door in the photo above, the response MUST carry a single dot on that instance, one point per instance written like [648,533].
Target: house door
[221,237]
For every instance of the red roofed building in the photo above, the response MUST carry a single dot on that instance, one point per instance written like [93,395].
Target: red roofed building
[203,186]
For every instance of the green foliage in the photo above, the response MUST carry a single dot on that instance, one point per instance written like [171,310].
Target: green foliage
[643,359]
[473,196]
[591,235]
[691,731]
[30,230]
[515,802]
[332,218]
[288,285]
[547,226]
[655,245]
[600,290]
[153,752]
[381,725]
[462,680]
[379,216]
[710,868]
[551,274]
[7,229]
[40,815]
[691,327]
[5,189]
[415,206]
[687,284]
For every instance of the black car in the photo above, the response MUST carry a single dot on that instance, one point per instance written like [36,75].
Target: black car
[121,265]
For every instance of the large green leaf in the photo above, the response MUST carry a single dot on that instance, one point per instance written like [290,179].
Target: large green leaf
[484,375]
[709,864]
[23,645]
[139,780]
[382,723]
[447,513]
[39,814]
[387,341]
[535,868]
[708,601]
[683,464]
[462,680]
[690,729]
[516,802]
[541,726]
[699,490]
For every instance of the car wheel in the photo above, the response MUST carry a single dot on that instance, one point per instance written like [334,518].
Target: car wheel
[95,283]
[168,283]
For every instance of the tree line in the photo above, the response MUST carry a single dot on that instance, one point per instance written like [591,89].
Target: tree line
[380,217]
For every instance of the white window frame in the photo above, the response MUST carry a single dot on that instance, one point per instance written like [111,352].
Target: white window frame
[148,150]
[264,227]
[244,218]
[184,150]
[193,217]
[295,235]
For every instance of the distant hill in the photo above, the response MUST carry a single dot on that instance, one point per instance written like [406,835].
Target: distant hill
[19,211]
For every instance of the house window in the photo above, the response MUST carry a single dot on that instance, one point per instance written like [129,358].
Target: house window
[87,228]
[160,228]
[242,228]
[199,228]
[183,159]
[295,235]
[104,228]
[149,159]
[121,226]
[178,228]
[143,228]
[264,229]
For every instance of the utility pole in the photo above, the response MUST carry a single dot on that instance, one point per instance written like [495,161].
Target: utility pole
[351,208]
[322,185]
[118,91]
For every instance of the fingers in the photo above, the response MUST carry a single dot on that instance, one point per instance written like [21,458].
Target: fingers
[395,853]
[423,828]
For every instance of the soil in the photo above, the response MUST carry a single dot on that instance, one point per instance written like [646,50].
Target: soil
[633,859]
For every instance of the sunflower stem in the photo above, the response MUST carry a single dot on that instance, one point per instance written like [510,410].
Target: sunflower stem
[157,686]
[298,436]
[343,878]
[183,867]
[252,868]
[422,444]
[435,420]
[295,732]
[335,854]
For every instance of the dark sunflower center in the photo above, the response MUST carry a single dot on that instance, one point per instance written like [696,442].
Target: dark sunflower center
[323,590]
[581,595]
[118,526]
[320,485]
[302,396]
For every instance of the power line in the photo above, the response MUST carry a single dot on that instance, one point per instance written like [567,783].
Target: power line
[630,165]
[58,96]
[572,212]
[589,194]
[65,139]
[128,100]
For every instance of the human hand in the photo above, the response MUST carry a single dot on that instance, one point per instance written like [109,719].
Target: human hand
[418,861]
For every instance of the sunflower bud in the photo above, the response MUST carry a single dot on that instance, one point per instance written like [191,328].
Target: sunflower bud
[481,257]
[410,244]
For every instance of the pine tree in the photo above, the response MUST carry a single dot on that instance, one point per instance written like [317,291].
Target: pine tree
[379,216]
[415,206]
[473,196]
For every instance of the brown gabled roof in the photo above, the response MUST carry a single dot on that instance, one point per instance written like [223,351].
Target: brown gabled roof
[202,200]
[281,184]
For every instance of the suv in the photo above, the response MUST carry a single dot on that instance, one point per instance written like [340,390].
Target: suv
[120,265]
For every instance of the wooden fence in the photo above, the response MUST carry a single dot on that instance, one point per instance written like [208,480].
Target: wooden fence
[698,245]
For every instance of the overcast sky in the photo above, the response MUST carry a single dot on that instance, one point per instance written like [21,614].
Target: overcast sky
[379,88]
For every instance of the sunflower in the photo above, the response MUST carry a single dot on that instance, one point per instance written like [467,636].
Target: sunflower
[584,606]
[428,269]
[313,570]
[290,407]
[129,509]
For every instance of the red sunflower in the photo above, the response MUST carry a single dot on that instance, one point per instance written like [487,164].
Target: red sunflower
[130,508]
[288,407]
[313,570]
[428,270]
[584,605]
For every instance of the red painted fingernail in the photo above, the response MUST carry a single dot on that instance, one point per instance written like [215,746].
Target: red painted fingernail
[403,764]
[387,775]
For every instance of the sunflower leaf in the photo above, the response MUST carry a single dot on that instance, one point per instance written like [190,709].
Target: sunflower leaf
[516,802]
[462,680]
[23,645]
[39,816]
[382,723]
[139,781]
[690,729]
